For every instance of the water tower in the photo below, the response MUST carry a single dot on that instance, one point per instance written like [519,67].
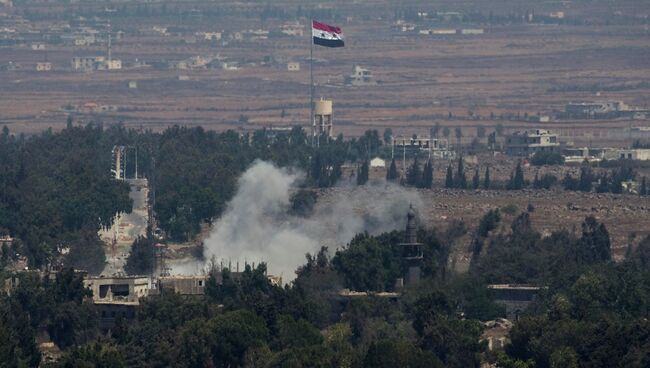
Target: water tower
[323,119]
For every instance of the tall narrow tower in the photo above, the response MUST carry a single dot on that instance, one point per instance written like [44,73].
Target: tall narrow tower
[108,51]
[118,166]
[411,249]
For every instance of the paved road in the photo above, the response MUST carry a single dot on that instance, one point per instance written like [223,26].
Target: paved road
[126,228]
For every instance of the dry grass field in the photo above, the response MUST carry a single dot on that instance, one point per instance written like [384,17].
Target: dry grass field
[517,69]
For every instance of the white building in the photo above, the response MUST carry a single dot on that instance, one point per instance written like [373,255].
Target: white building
[43,67]
[472,31]
[642,154]
[293,29]
[86,63]
[210,36]
[293,66]
[359,77]
[377,162]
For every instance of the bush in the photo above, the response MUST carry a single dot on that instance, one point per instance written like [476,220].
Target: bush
[547,158]
[302,202]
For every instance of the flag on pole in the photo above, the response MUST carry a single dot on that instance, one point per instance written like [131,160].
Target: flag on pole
[326,35]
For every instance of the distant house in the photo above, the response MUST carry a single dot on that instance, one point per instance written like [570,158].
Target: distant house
[527,143]
[86,63]
[184,285]
[293,66]
[293,29]
[595,109]
[210,36]
[472,31]
[359,77]
[642,154]
[6,240]
[43,67]
[377,162]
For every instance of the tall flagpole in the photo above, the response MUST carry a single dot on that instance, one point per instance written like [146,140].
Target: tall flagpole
[311,82]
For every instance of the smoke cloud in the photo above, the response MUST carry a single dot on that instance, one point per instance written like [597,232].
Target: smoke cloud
[256,226]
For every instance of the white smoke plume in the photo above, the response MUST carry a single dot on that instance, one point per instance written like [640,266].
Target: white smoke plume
[256,226]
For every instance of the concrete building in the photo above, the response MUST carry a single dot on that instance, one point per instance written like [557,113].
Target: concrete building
[402,26]
[472,31]
[528,143]
[113,64]
[210,36]
[90,63]
[359,77]
[642,154]
[43,67]
[418,146]
[184,285]
[293,66]
[125,290]
[495,333]
[86,63]
[377,162]
[595,109]
[442,32]
[116,297]
[294,29]
[515,298]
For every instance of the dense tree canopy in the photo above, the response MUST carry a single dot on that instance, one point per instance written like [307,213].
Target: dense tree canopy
[56,191]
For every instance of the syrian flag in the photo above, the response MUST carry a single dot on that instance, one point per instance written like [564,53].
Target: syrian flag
[326,35]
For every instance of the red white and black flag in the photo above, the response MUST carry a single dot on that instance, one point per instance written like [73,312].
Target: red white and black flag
[326,35]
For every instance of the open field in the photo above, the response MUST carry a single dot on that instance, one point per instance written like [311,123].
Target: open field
[624,215]
[421,79]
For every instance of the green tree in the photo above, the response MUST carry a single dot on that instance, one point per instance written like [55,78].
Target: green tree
[460,180]
[362,173]
[586,178]
[97,355]
[459,345]
[414,174]
[499,129]
[392,174]
[564,358]
[488,222]
[140,260]
[398,353]
[296,334]
[476,180]
[449,179]
[366,264]
[427,176]
[486,180]
[435,130]
[547,158]
[594,244]
[480,132]
[643,189]
[388,136]
[570,183]
[516,178]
